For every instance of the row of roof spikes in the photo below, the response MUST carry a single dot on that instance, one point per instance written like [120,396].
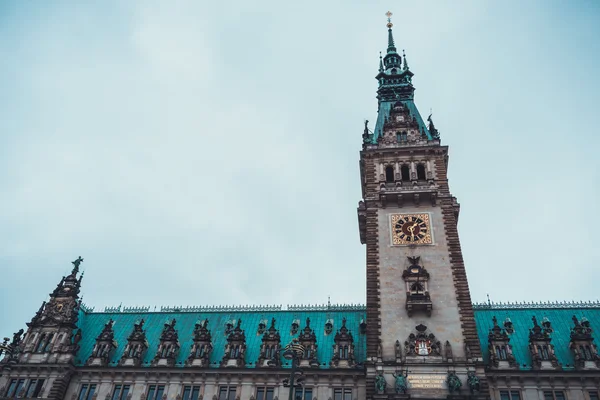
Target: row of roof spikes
[335,307]
[233,308]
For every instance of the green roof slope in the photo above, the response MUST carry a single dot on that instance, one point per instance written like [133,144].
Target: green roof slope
[91,324]
[561,323]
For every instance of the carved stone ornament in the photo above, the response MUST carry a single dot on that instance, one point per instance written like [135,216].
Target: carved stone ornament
[168,347]
[422,344]
[343,349]
[308,340]
[473,382]
[453,382]
[582,345]
[235,349]
[270,348]
[499,347]
[136,346]
[380,383]
[539,344]
[202,345]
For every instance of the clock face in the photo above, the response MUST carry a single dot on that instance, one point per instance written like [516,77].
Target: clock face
[411,229]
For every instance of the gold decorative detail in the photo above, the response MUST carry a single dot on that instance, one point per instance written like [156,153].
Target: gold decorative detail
[411,229]
[389,18]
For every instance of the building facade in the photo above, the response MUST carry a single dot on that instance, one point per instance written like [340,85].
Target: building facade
[418,336]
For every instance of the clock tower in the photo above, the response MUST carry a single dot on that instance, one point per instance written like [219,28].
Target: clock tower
[420,322]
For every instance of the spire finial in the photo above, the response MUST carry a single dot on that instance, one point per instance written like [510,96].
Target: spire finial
[380,63]
[391,47]
[405,60]
[389,19]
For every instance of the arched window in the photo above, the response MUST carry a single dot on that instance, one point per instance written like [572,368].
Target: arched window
[389,174]
[543,352]
[405,172]
[416,288]
[421,172]
[48,343]
[41,343]
[586,351]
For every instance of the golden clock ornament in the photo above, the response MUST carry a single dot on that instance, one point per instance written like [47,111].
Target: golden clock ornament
[411,229]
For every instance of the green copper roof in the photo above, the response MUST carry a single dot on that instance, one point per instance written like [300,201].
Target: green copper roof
[92,323]
[384,112]
[561,322]
[559,315]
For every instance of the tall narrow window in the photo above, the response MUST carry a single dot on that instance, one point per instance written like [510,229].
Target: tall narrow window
[15,387]
[421,172]
[510,395]
[191,392]
[87,391]
[155,392]
[389,174]
[41,343]
[48,345]
[554,395]
[303,394]
[34,388]
[405,172]
[227,393]
[265,393]
[342,394]
[120,392]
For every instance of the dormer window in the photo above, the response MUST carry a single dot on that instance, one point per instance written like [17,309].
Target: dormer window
[394,71]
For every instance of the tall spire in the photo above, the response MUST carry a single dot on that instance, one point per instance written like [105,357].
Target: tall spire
[391,46]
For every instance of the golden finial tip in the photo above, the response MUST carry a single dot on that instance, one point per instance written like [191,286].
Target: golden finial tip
[389,18]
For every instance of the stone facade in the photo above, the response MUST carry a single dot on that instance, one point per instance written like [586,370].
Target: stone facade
[418,336]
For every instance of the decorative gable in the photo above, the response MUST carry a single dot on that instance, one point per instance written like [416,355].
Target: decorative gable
[542,351]
[202,346]
[582,345]
[501,354]
[105,344]
[168,347]
[136,346]
[235,350]
[343,349]
[269,350]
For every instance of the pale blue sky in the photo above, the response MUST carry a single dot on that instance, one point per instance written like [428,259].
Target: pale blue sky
[199,152]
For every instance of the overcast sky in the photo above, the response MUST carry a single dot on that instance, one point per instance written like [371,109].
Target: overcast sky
[197,152]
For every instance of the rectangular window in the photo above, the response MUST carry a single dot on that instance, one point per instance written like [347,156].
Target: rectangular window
[155,392]
[120,392]
[191,392]
[554,395]
[227,392]
[510,395]
[34,388]
[593,395]
[265,393]
[342,394]
[87,391]
[303,394]
[11,388]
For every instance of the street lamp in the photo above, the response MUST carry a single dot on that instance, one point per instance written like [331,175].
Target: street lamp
[293,352]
